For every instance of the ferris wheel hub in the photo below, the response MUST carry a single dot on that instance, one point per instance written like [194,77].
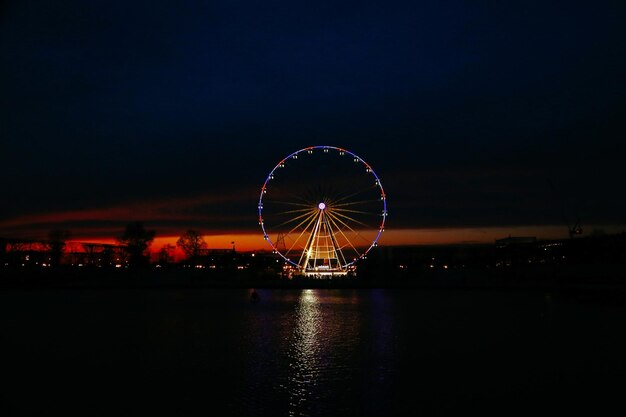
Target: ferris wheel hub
[321,206]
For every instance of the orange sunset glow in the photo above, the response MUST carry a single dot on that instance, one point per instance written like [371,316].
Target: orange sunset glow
[253,241]
[220,223]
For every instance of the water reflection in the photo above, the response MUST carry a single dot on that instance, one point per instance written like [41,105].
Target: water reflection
[317,352]
[304,352]
[325,353]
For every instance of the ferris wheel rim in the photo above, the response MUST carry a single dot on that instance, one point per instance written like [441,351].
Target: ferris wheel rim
[325,148]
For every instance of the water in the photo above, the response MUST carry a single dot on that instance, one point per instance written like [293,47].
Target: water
[308,353]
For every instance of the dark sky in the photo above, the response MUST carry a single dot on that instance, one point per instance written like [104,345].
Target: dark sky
[174,112]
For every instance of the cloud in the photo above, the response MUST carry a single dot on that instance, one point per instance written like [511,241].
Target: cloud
[225,211]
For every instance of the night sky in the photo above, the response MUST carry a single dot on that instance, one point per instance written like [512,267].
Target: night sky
[477,116]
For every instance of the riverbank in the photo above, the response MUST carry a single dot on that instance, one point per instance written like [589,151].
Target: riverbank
[579,278]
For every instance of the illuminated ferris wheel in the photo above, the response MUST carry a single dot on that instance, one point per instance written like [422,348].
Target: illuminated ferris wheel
[321,209]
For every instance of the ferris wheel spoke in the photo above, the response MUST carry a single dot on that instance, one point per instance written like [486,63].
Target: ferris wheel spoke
[350,218]
[309,241]
[350,228]
[351,211]
[364,218]
[302,210]
[306,221]
[354,194]
[311,220]
[317,242]
[291,203]
[306,215]
[346,238]
[354,203]
[338,248]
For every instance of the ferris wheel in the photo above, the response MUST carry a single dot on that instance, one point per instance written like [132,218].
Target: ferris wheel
[322,208]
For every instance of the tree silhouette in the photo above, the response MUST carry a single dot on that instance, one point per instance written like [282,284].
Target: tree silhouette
[137,240]
[56,245]
[165,257]
[191,242]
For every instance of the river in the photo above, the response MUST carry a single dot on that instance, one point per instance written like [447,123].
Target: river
[322,352]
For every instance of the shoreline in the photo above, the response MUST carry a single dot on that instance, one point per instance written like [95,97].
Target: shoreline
[581,279]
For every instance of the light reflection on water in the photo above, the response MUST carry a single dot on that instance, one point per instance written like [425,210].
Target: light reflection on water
[304,352]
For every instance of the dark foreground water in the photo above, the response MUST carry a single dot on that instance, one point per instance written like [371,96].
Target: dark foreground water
[309,352]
